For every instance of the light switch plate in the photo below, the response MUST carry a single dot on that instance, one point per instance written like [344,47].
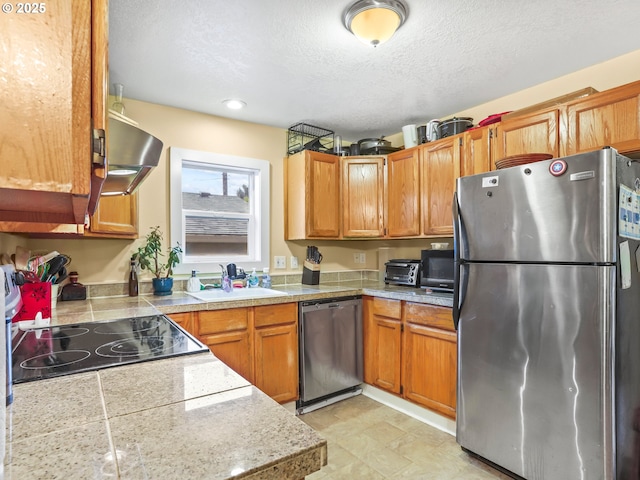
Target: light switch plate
[294,262]
[363,257]
[280,261]
[356,258]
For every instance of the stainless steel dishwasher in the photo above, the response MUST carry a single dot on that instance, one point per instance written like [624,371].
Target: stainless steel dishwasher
[331,358]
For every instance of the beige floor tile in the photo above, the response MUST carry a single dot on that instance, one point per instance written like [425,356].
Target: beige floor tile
[356,471]
[385,461]
[368,440]
[338,458]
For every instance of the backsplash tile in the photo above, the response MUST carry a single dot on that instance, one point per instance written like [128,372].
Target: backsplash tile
[180,285]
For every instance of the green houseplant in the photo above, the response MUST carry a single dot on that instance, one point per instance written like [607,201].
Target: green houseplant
[150,257]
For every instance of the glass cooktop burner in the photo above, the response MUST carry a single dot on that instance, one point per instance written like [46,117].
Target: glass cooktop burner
[54,351]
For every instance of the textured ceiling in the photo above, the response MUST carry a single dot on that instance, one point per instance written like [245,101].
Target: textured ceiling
[293,61]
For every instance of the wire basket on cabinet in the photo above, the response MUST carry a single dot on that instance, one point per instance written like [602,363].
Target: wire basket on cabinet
[303,136]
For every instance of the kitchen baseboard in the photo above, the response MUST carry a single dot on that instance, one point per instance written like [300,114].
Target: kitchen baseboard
[424,415]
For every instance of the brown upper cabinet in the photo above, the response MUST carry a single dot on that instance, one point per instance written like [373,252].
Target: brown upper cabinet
[440,167]
[477,154]
[403,204]
[358,197]
[363,197]
[312,195]
[115,217]
[609,118]
[50,176]
[537,132]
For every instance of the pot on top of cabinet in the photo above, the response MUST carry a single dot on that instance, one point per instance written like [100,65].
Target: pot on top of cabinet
[454,126]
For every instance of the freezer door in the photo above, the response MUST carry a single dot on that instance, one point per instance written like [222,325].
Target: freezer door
[526,213]
[534,369]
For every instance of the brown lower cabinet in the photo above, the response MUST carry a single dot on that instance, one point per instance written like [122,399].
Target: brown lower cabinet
[260,343]
[410,351]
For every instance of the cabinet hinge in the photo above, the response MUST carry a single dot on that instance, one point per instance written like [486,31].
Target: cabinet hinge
[401,327]
[401,389]
[460,141]
[385,231]
[491,133]
[99,147]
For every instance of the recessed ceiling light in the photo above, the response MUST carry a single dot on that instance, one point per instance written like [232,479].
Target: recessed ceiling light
[234,104]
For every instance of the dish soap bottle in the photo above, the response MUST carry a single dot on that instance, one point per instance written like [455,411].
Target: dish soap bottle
[253,279]
[133,278]
[266,279]
[193,285]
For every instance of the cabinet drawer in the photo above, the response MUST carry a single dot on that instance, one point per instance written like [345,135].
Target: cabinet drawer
[275,314]
[185,320]
[429,315]
[216,321]
[387,308]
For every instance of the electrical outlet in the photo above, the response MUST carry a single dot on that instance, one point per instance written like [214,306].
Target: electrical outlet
[280,261]
[294,262]
[356,258]
[363,258]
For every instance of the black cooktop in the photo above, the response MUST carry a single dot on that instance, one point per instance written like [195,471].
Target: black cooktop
[66,349]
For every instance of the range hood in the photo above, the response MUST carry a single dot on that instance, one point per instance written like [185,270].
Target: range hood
[132,154]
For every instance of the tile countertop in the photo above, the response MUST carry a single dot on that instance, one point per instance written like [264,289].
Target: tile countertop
[186,417]
[107,308]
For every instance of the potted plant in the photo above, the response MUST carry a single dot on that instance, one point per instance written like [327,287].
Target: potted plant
[150,258]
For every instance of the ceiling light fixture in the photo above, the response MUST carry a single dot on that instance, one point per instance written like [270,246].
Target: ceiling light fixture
[374,21]
[234,104]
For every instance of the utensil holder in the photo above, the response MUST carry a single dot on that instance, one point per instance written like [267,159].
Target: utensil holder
[310,273]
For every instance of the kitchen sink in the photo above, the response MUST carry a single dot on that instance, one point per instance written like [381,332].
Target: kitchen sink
[219,295]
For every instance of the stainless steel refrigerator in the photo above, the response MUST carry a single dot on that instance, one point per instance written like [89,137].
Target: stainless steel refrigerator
[547,308]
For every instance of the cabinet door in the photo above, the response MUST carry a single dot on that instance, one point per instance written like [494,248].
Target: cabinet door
[323,197]
[440,167]
[403,199]
[312,195]
[382,342]
[226,333]
[276,350]
[46,154]
[608,118]
[234,349]
[185,320]
[429,375]
[116,216]
[476,154]
[363,197]
[537,132]
[276,361]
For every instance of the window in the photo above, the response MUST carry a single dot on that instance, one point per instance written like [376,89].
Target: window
[219,210]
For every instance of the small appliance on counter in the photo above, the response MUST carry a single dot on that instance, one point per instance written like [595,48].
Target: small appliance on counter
[437,270]
[402,272]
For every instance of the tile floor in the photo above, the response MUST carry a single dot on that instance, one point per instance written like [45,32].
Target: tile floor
[368,440]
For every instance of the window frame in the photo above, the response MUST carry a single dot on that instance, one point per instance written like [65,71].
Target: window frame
[261,224]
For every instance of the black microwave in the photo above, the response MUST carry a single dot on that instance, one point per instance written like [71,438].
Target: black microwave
[437,270]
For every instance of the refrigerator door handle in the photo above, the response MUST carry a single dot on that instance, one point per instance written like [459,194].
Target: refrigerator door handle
[458,299]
